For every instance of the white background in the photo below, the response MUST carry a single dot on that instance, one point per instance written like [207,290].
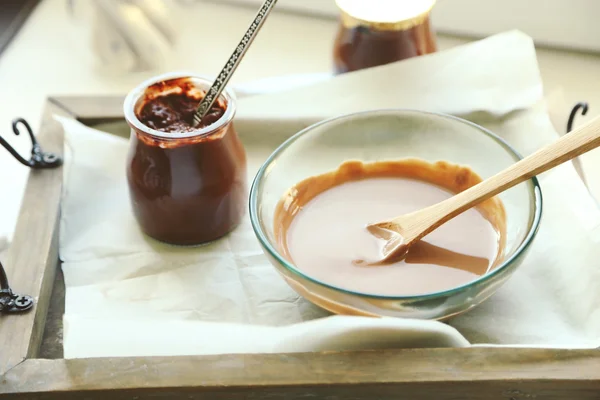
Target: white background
[555,23]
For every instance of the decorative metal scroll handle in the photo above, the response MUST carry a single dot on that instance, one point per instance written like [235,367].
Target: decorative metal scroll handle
[583,107]
[39,159]
[579,106]
[11,302]
[225,75]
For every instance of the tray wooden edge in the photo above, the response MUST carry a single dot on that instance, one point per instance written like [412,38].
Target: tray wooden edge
[474,373]
[33,254]
[478,373]
[88,107]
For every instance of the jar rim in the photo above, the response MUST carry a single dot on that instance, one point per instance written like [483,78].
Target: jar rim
[385,14]
[136,93]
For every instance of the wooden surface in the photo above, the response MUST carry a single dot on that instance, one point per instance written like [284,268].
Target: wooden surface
[52,339]
[101,107]
[33,254]
[13,14]
[474,373]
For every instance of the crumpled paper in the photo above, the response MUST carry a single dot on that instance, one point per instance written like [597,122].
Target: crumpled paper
[128,295]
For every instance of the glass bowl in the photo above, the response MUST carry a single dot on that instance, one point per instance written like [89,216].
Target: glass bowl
[391,135]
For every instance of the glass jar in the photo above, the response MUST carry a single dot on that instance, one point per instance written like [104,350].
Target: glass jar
[380,32]
[186,188]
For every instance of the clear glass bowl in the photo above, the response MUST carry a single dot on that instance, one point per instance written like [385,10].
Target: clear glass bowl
[391,135]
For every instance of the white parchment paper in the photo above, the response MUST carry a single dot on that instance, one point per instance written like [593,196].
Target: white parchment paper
[128,295]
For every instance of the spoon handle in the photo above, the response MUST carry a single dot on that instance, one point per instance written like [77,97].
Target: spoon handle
[225,75]
[578,142]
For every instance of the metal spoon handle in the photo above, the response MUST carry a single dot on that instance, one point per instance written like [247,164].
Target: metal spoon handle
[225,75]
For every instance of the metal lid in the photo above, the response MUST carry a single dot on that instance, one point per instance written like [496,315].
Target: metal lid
[385,14]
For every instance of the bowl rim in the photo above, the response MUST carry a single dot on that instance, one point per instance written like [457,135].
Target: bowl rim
[273,252]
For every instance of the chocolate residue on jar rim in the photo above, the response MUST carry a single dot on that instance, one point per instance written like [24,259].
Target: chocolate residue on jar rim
[428,267]
[169,106]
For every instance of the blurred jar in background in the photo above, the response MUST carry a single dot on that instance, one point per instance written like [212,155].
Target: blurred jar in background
[379,32]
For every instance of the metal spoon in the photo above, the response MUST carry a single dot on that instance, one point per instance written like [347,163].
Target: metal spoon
[402,232]
[225,75]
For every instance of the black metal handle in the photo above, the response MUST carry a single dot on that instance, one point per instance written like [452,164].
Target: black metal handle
[584,107]
[39,159]
[9,301]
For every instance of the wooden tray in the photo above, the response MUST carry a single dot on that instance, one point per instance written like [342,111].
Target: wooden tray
[32,367]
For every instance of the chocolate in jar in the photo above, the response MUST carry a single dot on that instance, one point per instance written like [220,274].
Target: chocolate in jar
[187,184]
[381,32]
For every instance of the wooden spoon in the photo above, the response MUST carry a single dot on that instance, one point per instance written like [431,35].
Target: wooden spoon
[404,231]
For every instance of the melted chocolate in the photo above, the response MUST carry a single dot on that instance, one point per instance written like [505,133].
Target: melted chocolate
[365,47]
[174,111]
[185,191]
[320,226]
